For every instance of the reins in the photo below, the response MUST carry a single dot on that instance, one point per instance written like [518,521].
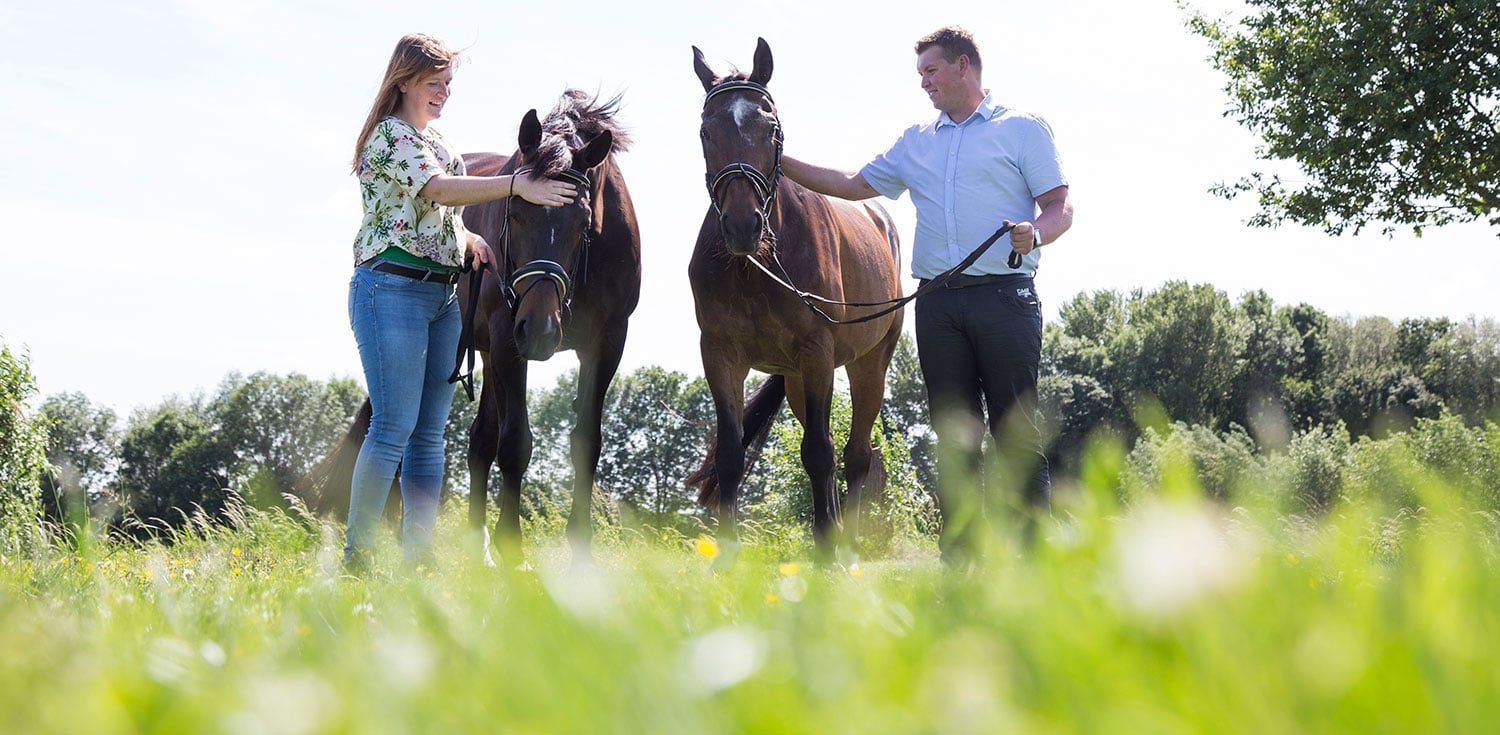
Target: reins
[765,188]
[891,304]
[543,269]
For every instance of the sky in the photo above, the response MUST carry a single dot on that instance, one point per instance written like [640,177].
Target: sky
[177,203]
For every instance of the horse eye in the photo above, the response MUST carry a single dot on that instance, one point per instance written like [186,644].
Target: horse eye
[703,134]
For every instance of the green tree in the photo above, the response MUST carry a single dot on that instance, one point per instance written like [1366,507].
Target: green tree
[172,462]
[1182,345]
[83,445]
[905,410]
[653,437]
[1463,365]
[1304,385]
[1390,109]
[1371,386]
[84,437]
[1258,394]
[278,427]
[23,458]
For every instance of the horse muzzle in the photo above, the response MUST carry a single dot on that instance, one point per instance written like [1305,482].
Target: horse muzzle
[742,233]
[538,336]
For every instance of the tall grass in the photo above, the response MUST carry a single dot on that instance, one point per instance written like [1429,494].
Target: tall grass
[1174,614]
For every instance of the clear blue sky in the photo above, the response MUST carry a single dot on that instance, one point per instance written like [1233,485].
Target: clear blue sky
[177,202]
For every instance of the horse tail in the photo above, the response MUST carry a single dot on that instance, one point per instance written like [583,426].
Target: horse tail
[760,414]
[325,487]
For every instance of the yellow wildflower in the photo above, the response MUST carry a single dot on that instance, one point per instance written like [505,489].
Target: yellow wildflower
[706,547]
[789,569]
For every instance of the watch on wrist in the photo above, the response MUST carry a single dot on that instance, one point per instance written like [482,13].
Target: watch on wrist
[1036,237]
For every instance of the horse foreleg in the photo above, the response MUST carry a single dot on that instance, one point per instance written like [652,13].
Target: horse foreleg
[816,391]
[726,383]
[514,457]
[866,392]
[594,376]
[484,444]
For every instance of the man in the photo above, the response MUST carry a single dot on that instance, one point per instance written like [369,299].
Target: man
[978,166]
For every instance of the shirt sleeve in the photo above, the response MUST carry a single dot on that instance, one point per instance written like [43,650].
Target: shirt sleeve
[884,173]
[398,153]
[1041,164]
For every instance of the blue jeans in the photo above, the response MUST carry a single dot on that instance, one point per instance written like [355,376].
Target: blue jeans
[407,332]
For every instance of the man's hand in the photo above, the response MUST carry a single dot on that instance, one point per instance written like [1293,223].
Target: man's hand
[1022,237]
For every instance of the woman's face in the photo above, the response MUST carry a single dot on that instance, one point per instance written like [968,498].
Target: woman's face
[422,99]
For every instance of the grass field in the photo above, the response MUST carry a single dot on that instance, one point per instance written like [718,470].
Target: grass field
[1170,616]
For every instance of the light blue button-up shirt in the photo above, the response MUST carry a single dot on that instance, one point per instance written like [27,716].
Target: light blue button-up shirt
[965,178]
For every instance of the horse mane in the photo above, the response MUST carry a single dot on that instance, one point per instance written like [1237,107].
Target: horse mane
[577,119]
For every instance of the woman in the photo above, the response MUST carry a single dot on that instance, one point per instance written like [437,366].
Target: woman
[402,303]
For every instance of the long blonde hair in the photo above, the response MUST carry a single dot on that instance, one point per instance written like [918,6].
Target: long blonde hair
[417,56]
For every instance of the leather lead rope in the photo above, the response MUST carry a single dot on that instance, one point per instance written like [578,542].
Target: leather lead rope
[1013,261]
[466,335]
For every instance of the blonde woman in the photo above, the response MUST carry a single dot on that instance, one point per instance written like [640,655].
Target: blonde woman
[402,303]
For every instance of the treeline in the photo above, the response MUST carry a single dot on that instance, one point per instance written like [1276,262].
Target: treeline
[1236,386]
[1190,353]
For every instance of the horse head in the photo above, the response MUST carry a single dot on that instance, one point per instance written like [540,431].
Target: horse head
[546,247]
[742,139]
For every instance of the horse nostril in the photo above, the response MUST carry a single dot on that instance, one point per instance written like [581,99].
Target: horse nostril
[745,226]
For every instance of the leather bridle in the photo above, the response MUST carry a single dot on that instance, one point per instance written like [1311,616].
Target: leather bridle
[765,186]
[541,269]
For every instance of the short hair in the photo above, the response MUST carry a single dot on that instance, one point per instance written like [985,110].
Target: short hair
[954,42]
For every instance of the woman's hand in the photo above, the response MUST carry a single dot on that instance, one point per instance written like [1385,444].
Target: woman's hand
[546,192]
[479,254]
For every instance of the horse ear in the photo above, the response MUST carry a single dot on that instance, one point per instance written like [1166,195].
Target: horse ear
[761,74]
[705,74]
[595,152]
[531,133]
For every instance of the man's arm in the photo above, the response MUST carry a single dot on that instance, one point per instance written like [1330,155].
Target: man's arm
[828,181]
[1055,219]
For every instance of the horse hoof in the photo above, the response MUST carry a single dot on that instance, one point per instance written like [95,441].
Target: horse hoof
[846,557]
[583,562]
[728,553]
[479,546]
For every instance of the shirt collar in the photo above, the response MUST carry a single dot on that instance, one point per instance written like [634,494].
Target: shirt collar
[987,109]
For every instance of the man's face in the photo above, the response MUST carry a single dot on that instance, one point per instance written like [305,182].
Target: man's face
[943,81]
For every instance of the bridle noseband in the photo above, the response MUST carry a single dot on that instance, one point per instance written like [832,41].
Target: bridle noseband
[765,186]
[541,267]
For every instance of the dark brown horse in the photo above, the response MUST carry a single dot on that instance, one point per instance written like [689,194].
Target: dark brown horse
[572,280]
[568,279]
[841,251]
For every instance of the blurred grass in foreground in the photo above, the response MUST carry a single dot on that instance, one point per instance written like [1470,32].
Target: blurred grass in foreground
[1171,615]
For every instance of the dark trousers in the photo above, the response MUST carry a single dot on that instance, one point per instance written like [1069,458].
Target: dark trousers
[980,347]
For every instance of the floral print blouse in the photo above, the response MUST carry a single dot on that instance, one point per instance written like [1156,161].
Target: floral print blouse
[397,161]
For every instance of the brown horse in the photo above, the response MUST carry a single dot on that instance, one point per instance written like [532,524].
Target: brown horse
[569,278]
[572,278]
[841,251]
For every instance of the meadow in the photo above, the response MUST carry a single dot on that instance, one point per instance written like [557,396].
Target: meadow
[1172,614]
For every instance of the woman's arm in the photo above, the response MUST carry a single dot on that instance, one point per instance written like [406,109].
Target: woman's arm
[458,191]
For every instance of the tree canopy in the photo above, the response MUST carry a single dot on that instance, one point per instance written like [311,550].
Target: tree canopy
[1390,108]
